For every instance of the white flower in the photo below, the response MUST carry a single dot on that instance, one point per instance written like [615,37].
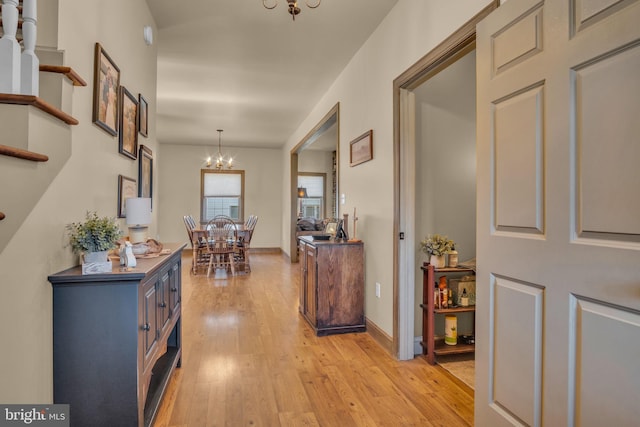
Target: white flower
[435,244]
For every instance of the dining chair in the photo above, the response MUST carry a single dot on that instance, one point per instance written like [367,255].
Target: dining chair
[201,257]
[222,236]
[244,243]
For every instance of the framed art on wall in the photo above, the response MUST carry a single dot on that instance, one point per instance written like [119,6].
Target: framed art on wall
[128,141]
[145,173]
[361,148]
[106,82]
[143,115]
[127,188]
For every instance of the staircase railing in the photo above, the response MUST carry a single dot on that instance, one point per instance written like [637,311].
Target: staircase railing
[19,70]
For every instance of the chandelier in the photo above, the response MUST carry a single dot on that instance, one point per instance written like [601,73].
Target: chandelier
[293,6]
[221,161]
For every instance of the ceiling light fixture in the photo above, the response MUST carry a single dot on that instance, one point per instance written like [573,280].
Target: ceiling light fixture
[221,161]
[293,6]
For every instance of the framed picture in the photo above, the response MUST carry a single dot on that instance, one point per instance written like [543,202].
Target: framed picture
[145,173]
[127,188]
[361,149]
[331,228]
[106,81]
[128,124]
[143,115]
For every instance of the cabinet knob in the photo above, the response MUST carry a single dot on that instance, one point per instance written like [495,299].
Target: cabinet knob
[163,304]
[174,289]
[146,327]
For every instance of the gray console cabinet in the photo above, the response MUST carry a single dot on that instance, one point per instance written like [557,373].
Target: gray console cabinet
[116,340]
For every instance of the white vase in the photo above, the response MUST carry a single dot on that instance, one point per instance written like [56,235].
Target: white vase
[102,256]
[437,261]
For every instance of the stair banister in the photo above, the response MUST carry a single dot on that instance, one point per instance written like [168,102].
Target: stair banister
[9,49]
[29,64]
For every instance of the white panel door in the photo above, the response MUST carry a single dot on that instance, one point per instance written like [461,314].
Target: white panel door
[558,218]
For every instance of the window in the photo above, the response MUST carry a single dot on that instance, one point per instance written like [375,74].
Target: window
[222,193]
[312,205]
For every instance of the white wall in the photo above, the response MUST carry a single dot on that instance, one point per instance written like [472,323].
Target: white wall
[364,91]
[88,181]
[179,182]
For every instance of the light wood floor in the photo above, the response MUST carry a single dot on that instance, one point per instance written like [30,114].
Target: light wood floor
[249,359]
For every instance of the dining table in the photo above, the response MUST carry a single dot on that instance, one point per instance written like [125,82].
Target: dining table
[200,235]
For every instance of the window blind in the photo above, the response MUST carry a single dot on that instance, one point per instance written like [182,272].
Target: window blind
[313,184]
[222,184]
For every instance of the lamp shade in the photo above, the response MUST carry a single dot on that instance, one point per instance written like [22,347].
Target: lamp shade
[138,210]
[302,193]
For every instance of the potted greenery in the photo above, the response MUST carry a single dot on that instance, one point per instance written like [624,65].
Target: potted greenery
[94,238]
[436,246]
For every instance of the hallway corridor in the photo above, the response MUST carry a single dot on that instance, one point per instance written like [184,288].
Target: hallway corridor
[249,359]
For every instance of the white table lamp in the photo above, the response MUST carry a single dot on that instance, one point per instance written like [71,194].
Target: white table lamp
[138,218]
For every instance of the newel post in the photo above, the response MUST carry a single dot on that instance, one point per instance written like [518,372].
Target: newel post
[29,64]
[9,49]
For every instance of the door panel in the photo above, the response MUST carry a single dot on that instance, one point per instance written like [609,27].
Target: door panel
[612,384]
[608,146]
[588,12]
[558,230]
[519,178]
[517,358]
[518,41]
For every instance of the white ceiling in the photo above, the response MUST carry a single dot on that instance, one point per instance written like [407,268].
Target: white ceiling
[256,73]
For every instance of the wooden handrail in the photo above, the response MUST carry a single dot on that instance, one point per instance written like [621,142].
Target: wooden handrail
[67,71]
[8,98]
[22,154]
[1,216]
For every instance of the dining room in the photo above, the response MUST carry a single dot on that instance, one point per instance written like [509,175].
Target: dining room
[222,245]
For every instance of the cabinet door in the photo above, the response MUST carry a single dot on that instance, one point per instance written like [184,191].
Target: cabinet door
[150,323]
[163,299]
[310,284]
[175,289]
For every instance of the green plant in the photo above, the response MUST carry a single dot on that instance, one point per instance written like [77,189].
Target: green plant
[436,244]
[93,235]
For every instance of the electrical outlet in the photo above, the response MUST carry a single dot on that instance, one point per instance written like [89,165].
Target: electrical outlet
[378,289]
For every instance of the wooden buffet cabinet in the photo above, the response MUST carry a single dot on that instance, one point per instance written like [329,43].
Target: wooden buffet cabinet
[116,340]
[431,347]
[332,285]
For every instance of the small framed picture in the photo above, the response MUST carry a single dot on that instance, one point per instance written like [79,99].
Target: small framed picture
[128,124]
[106,82]
[145,173]
[361,149]
[143,115]
[331,228]
[127,188]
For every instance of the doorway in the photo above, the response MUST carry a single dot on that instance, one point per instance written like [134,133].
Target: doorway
[451,50]
[323,138]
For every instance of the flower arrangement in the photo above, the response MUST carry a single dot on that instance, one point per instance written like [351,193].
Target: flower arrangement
[436,244]
[94,235]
